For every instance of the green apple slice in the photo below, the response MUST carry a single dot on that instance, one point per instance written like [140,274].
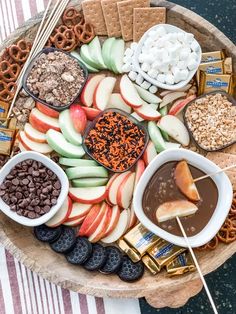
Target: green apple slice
[78,57]
[96,53]
[67,128]
[106,51]
[156,137]
[57,141]
[86,172]
[147,96]
[77,162]
[89,182]
[163,111]
[117,55]
[86,56]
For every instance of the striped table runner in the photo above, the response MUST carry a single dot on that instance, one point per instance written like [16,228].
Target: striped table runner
[23,291]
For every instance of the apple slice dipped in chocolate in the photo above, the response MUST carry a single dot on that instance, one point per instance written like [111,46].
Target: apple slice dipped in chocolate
[185,182]
[173,209]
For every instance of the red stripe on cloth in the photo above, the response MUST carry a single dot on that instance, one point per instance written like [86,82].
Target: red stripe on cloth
[100,305]
[2,303]
[83,304]
[66,301]
[19,12]
[33,7]
[13,283]
[22,284]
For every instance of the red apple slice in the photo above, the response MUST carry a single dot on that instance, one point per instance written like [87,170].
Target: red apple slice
[92,220]
[75,222]
[171,97]
[79,210]
[103,92]
[147,112]
[129,93]
[91,195]
[170,210]
[114,186]
[129,220]
[89,89]
[100,231]
[61,216]
[46,110]
[184,181]
[34,135]
[42,122]
[180,104]
[125,191]
[133,219]
[116,101]
[91,113]
[150,153]
[120,228]
[21,147]
[115,215]
[78,117]
[139,170]
[109,183]
[34,146]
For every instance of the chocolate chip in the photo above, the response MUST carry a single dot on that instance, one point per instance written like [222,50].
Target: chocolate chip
[54,201]
[57,185]
[15,181]
[2,192]
[25,181]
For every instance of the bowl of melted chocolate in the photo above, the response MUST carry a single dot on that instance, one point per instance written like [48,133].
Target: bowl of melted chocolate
[166,187]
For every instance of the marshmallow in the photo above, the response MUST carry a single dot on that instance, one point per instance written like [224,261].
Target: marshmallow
[184,74]
[193,55]
[134,46]
[156,65]
[192,64]
[145,67]
[174,51]
[188,38]
[194,45]
[129,52]
[184,54]
[180,37]
[170,79]
[145,85]
[161,31]
[161,78]
[139,79]
[177,74]
[182,65]
[132,75]
[164,68]
[153,89]
[141,58]
[126,68]
[128,60]
[152,73]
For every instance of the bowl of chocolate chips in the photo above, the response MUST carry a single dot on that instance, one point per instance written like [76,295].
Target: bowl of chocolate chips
[55,78]
[32,188]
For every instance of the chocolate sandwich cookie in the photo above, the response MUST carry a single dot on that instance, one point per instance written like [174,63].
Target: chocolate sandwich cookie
[97,259]
[45,234]
[81,252]
[65,242]
[130,271]
[113,262]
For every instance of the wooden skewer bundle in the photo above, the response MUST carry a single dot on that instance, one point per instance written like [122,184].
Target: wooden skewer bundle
[43,33]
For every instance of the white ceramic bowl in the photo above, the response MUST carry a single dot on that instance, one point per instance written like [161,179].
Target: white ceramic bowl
[170,29]
[225,196]
[49,164]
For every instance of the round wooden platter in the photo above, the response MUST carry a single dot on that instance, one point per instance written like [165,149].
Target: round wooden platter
[160,291]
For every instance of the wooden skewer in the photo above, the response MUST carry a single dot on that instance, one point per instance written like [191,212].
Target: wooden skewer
[197,265]
[212,174]
[43,36]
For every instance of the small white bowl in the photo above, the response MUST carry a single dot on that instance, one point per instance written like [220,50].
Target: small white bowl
[49,164]
[225,196]
[170,29]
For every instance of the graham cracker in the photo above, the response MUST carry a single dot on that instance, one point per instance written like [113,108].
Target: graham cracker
[92,10]
[111,16]
[145,18]
[126,13]
[225,160]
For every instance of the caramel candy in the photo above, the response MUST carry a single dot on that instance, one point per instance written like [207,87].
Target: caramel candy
[4,107]
[212,56]
[151,265]
[212,82]
[6,141]
[181,264]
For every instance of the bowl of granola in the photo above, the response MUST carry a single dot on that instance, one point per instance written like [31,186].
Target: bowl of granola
[55,78]
[211,120]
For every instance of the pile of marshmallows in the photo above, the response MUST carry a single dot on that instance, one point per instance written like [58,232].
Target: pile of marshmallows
[169,57]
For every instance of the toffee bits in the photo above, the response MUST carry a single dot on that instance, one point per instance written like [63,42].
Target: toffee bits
[115,141]
[30,189]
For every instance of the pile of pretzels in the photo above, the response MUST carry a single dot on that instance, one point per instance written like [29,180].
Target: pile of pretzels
[72,33]
[227,233]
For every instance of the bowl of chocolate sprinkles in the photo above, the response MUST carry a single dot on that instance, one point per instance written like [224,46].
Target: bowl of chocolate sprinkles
[115,140]
[32,188]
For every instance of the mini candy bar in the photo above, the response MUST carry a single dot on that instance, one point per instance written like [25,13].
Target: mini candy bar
[212,56]
[137,241]
[164,252]
[228,66]
[4,107]
[181,264]
[6,141]
[212,82]
[214,67]
[152,266]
